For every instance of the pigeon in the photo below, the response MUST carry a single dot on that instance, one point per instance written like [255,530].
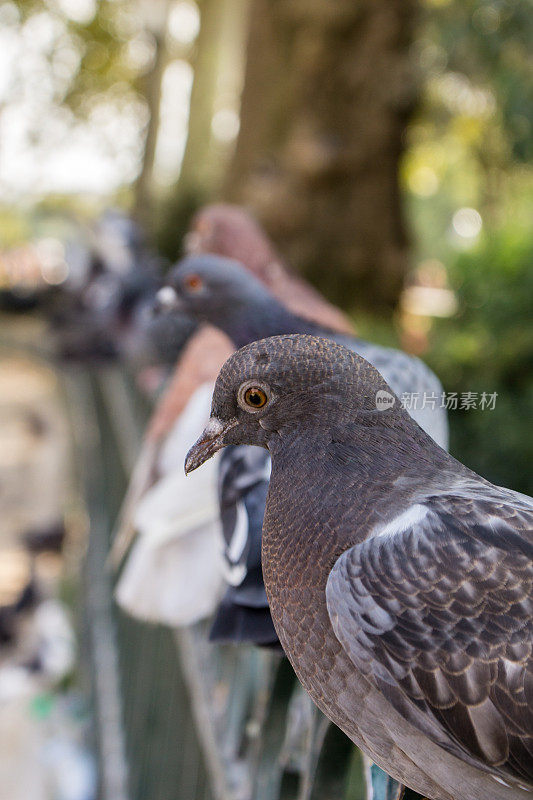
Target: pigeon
[179,529]
[229,230]
[161,453]
[221,292]
[400,581]
[102,309]
[243,615]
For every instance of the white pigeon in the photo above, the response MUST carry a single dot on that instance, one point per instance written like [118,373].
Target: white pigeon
[173,573]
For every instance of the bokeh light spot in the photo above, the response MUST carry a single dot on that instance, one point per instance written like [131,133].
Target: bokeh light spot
[225,125]
[184,22]
[467,223]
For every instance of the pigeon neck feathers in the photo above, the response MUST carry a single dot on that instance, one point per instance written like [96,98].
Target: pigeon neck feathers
[261,319]
[374,460]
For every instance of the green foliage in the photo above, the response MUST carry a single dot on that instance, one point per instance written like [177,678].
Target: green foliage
[472,137]
[488,42]
[103,43]
[14,227]
[488,347]
[468,147]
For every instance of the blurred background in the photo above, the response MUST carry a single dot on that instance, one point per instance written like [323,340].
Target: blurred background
[384,146]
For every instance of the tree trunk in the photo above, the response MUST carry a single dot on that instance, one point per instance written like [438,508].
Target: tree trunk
[194,166]
[218,67]
[326,97]
[143,188]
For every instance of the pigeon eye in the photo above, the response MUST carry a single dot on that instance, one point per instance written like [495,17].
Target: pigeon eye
[255,397]
[193,283]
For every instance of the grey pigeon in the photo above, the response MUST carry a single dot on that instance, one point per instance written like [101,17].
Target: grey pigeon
[222,292]
[400,582]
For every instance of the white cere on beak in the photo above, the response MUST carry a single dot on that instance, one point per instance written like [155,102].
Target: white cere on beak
[214,427]
[166,297]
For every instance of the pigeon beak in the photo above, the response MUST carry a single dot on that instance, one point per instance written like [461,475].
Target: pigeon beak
[167,300]
[211,440]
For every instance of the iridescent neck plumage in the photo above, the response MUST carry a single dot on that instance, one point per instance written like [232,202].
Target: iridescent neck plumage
[248,323]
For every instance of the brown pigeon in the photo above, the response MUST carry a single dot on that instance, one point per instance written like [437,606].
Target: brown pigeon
[400,582]
[227,230]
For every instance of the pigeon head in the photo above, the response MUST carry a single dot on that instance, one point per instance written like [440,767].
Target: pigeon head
[212,289]
[276,387]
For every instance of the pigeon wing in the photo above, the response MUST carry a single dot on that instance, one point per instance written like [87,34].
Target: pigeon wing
[243,614]
[436,609]
[243,485]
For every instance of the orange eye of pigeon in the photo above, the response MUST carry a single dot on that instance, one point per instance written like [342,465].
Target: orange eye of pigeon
[255,397]
[193,283]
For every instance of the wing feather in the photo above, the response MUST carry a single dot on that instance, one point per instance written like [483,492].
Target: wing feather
[440,618]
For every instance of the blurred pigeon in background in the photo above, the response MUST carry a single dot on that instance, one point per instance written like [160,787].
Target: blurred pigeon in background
[200,359]
[174,573]
[232,232]
[221,292]
[229,230]
[103,308]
